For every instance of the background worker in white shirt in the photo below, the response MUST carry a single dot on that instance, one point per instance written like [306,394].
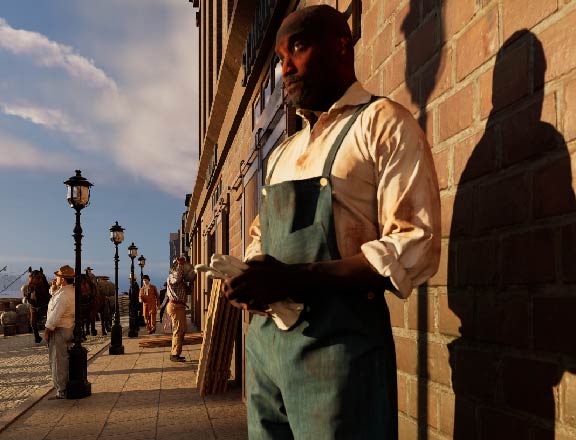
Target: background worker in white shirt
[59,328]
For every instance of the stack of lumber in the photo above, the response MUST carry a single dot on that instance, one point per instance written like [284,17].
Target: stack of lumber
[166,340]
[218,344]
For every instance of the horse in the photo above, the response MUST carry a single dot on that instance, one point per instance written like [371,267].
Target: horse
[36,293]
[92,303]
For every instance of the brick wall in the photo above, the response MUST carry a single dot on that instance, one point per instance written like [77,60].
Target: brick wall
[487,350]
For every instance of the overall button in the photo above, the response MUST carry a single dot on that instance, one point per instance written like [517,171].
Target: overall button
[263,191]
[323,181]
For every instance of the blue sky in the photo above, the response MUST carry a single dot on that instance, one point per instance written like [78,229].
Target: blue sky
[108,87]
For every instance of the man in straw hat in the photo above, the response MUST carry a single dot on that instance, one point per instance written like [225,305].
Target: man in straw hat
[59,328]
[350,209]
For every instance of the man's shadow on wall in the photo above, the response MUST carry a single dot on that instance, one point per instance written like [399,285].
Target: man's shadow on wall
[511,259]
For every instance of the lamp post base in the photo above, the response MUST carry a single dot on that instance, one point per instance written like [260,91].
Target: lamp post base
[78,386]
[116,346]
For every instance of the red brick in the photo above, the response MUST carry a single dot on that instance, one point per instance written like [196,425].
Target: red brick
[402,393]
[382,46]
[440,278]
[502,426]
[528,258]
[476,262]
[559,44]
[524,14]
[436,77]
[504,319]
[569,386]
[508,81]
[375,84]
[447,407]
[404,95]
[475,156]
[406,355]
[370,18]
[503,202]
[447,206]
[454,310]
[389,8]
[406,21]
[483,37]
[553,193]
[407,429]
[365,70]
[394,70]
[421,312]
[524,133]
[568,253]
[396,309]
[439,369]
[423,404]
[554,327]
[569,111]
[455,15]
[456,113]
[441,165]
[422,44]
[522,392]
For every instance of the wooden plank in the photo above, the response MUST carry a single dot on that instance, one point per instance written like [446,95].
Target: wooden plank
[207,341]
[218,344]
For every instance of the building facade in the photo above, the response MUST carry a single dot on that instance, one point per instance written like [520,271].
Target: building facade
[486,349]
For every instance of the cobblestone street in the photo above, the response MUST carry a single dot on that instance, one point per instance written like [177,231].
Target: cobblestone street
[24,366]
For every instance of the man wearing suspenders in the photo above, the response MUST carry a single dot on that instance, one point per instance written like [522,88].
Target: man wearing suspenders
[350,209]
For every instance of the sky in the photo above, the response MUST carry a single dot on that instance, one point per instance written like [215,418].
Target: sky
[108,87]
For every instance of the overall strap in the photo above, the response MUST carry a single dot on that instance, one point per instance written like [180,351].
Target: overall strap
[336,145]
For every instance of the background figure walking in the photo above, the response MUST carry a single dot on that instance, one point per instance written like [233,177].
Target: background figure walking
[150,300]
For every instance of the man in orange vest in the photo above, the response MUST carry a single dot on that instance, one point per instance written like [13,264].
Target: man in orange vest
[150,300]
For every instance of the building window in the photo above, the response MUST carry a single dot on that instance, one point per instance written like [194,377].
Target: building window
[353,10]
[256,110]
[266,89]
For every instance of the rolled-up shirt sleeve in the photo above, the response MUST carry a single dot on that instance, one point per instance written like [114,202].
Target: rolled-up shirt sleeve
[408,204]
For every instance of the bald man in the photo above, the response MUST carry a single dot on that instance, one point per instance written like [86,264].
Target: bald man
[350,209]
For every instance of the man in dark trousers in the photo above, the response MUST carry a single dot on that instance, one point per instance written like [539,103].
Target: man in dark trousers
[350,209]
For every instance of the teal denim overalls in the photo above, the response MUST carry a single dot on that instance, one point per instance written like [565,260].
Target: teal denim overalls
[332,376]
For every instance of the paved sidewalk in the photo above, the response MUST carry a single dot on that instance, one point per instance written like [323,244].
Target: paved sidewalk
[140,395]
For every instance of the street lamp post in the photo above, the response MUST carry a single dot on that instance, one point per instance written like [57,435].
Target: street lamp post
[116,347]
[133,312]
[78,386]
[141,263]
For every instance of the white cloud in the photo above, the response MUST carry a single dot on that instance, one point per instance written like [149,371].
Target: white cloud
[51,54]
[145,121]
[51,118]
